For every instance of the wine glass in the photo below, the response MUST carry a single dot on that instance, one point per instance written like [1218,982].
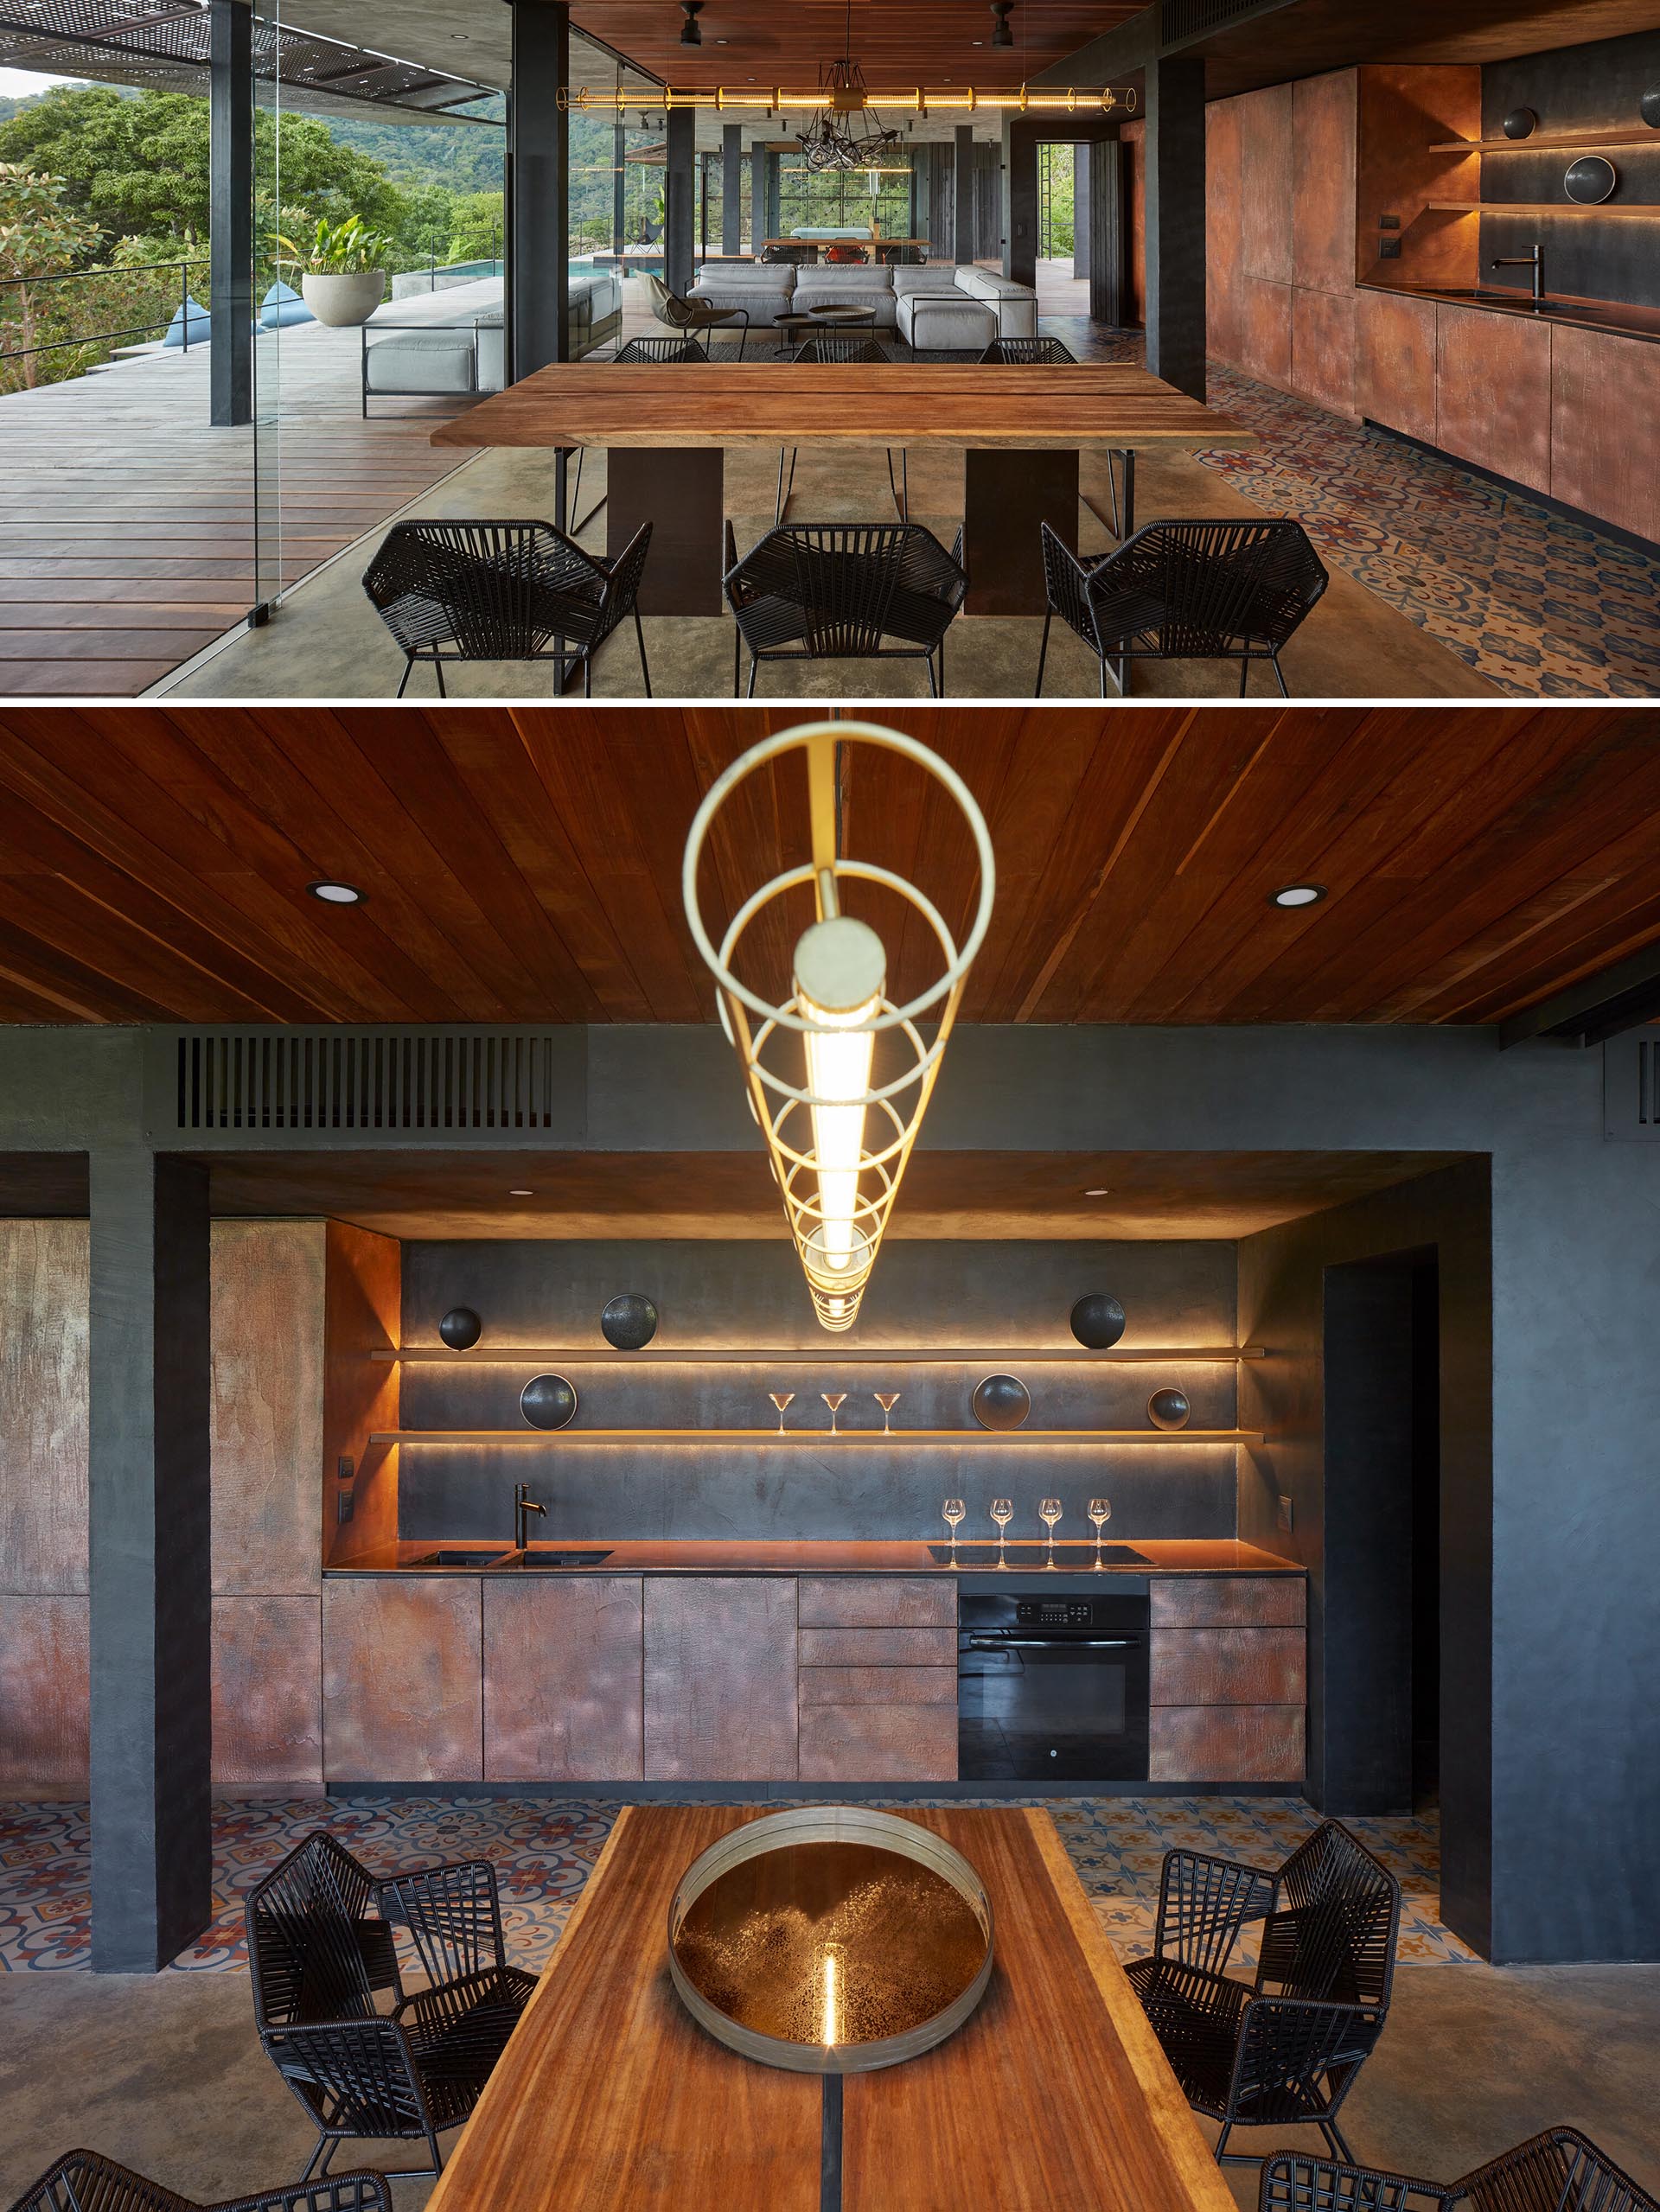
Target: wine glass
[1101,1512]
[887,1399]
[954,1509]
[781,1399]
[1049,1512]
[1002,1514]
[833,1398]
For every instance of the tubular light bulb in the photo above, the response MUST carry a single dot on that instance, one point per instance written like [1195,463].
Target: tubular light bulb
[831,2023]
[840,969]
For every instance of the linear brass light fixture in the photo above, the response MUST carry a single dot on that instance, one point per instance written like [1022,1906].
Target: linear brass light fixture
[913,100]
[837,1137]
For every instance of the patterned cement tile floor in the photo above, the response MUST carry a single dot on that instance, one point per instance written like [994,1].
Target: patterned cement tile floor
[543,1849]
[1542,606]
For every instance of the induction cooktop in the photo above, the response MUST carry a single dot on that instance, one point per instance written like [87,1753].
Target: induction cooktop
[1072,1556]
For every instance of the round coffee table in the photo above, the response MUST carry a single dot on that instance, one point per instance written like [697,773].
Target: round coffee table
[800,325]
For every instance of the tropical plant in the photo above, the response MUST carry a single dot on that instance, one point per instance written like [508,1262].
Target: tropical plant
[39,238]
[343,249]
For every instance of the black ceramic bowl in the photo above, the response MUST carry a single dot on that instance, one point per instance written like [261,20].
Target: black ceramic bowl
[1169,1409]
[1098,1321]
[1002,1401]
[629,1322]
[461,1328]
[548,1401]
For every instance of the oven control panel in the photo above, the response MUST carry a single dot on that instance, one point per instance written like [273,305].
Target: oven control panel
[1056,1613]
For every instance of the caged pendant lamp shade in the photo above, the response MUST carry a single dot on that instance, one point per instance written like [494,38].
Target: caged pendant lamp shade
[838,1076]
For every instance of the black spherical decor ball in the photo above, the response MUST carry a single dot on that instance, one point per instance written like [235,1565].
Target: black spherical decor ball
[1098,1321]
[548,1401]
[1002,1401]
[629,1322]
[1169,1409]
[461,1328]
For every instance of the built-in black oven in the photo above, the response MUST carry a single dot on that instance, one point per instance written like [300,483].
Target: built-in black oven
[1051,1678]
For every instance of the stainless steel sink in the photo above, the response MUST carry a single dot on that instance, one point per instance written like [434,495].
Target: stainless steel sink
[551,1559]
[1496,296]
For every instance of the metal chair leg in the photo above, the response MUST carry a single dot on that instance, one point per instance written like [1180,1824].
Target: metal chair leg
[778,497]
[755,663]
[1334,2135]
[1221,2140]
[438,670]
[900,494]
[640,639]
[1103,675]
[1244,672]
[1278,676]
[409,670]
[328,2157]
[1043,652]
[737,662]
[310,2164]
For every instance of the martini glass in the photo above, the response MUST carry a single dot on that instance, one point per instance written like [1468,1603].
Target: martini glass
[1101,1512]
[887,1399]
[1002,1514]
[833,1398]
[953,1510]
[782,1398]
[1049,1512]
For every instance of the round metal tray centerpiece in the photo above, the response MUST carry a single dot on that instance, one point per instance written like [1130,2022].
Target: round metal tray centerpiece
[830,1940]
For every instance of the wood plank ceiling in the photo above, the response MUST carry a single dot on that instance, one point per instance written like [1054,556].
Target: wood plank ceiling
[523,865]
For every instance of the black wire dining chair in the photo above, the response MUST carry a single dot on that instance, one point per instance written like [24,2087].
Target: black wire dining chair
[1560,2170]
[504,591]
[843,346]
[834,591]
[1284,2049]
[317,1955]
[669,350]
[1049,352]
[1185,591]
[82,2181]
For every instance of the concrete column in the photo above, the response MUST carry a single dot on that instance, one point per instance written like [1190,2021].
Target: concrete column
[759,227]
[539,189]
[149,1503]
[680,198]
[731,187]
[230,216]
[1175,221]
[963,196]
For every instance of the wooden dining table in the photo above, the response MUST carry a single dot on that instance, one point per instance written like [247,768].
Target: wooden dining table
[666,426]
[1054,2097]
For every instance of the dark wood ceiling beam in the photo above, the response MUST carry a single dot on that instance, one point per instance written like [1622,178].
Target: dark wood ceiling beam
[1623,997]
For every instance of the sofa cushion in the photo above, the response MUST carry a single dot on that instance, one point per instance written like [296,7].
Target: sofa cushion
[760,303]
[950,321]
[932,277]
[420,360]
[815,290]
[770,275]
[852,276]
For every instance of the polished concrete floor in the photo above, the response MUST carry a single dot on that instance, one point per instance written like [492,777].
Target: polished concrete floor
[165,2074]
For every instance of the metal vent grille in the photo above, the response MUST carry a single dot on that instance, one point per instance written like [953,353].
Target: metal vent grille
[1630,1085]
[432,1080]
[1181,20]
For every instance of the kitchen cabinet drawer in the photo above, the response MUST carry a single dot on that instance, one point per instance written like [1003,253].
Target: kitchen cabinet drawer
[1227,1666]
[879,1686]
[562,1695]
[1224,1743]
[878,1648]
[1492,392]
[402,1673]
[893,1601]
[879,1744]
[1228,1602]
[719,1678]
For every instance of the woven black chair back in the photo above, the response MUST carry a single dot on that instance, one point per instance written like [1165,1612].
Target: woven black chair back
[307,1956]
[1332,1938]
[1560,2170]
[500,591]
[82,2181]
[660,349]
[1191,590]
[904,257]
[454,1920]
[840,346]
[1027,353]
[1066,585]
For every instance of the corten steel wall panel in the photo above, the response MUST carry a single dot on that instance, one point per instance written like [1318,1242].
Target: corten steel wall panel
[43,1323]
[268,1355]
[563,1684]
[1223,320]
[1395,365]
[268,1690]
[1492,392]
[402,1667]
[720,1679]
[43,1677]
[879,1744]
[1323,348]
[1225,1744]
[1323,114]
[1227,1666]
[1265,172]
[363,1306]
[1604,427]
[1404,110]
[1266,327]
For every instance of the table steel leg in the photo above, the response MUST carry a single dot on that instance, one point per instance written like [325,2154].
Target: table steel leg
[1006,496]
[679,491]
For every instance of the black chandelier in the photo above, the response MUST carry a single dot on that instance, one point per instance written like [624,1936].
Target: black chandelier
[846,132]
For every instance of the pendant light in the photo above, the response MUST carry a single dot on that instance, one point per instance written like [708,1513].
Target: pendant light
[838,1128]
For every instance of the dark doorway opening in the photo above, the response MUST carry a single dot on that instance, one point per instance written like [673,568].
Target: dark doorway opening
[1380,1631]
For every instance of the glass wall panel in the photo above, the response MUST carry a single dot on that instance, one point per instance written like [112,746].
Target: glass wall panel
[844,199]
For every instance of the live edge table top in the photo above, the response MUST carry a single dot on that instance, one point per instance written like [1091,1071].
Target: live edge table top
[1054,2097]
[853,403]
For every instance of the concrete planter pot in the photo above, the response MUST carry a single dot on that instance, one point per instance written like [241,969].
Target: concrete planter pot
[342,303]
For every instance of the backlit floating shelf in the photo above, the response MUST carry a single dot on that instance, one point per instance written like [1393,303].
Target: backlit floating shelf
[815,1436]
[1530,207]
[1554,142]
[521,1356]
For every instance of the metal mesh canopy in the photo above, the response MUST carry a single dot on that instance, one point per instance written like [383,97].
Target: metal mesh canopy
[162,46]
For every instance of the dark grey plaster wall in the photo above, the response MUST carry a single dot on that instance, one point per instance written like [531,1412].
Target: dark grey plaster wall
[1282,1288]
[1012,1296]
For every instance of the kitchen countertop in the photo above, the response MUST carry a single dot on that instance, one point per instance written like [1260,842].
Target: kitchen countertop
[1615,316]
[1188,1556]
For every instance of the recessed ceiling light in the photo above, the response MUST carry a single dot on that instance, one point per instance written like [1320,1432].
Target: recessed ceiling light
[1299,895]
[522,1194]
[336,894]
[1099,1190]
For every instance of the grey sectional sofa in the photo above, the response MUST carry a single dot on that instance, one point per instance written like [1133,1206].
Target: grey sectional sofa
[934,309]
[470,354]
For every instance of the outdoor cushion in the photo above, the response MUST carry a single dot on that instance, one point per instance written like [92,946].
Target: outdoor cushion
[759,302]
[282,307]
[770,275]
[851,275]
[934,276]
[420,360]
